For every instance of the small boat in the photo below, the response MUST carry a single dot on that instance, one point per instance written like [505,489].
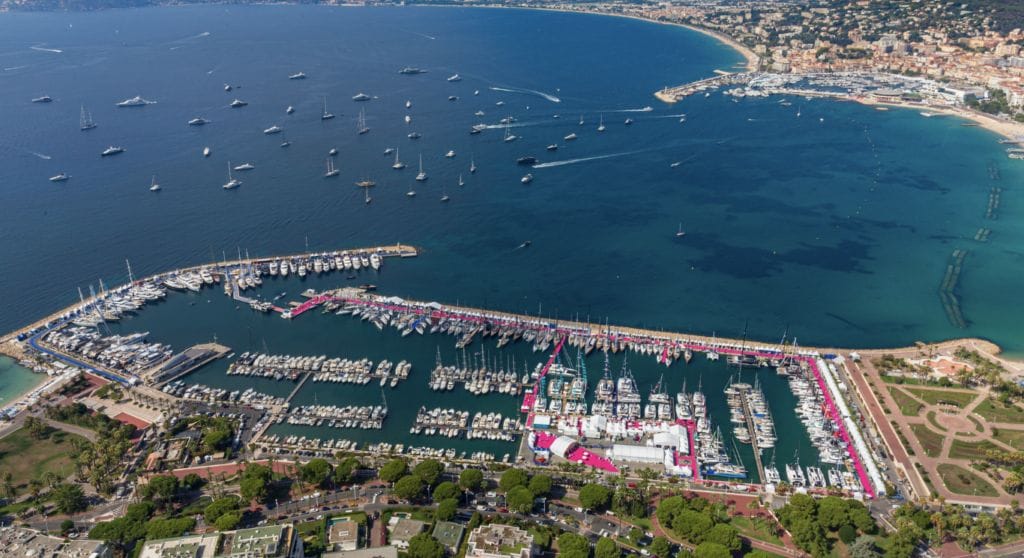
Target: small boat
[408,119]
[570,137]
[333,151]
[472,165]
[461,182]
[60,177]
[422,176]
[206,152]
[388,151]
[361,127]
[408,104]
[478,113]
[526,161]
[198,121]
[414,135]
[135,101]
[325,115]
[285,142]
[398,165]
[238,103]
[444,195]
[299,75]
[553,147]
[232,182]
[289,110]
[153,185]
[675,164]
[680,232]
[361,97]
[332,171]
[499,104]
[476,91]
[581,120]
[272,130]
[526,179]
[112,150]
[628,121]
[245,167]
[411,71]
[600,126]
[366,183]
[454,78]
[227,87]
[452,98]
[85,121]
[450,154]
[43,99]
[477,128]
[525,244]
[411,193]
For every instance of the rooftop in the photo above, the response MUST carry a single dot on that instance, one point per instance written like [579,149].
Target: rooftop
[405,529]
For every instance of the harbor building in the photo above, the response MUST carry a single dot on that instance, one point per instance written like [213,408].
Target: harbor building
[499,541]
[272,541]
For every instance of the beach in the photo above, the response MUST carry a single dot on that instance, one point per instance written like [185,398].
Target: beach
[1005,128]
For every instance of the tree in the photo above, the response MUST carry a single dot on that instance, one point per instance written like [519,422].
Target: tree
[807,535]
[255,482]
[540,485]
[832,512]
[471,479]
[660,547]
[344,473]
[446,509]
[69,498]
[711,550]
[571,545]
[904,541]
[393,470]
[512,478]
[161,489]
[165,528]
[409,487]
[519,499]
[864,547]
[725,535]
[594,496]
[800,507]
[445,490]
[758,554]
[192,481]
[668,508]
[860,517]
[425,546]
[316,472]
[36,427]
[219,507]
[228,521]
[66,526]
[606,548]
[429,470]
[692,525]
[7,485]
[847,533]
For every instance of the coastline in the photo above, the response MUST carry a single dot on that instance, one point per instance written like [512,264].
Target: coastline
[16,396]
[1004,128]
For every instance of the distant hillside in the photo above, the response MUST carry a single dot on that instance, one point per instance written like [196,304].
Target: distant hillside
[1007,14]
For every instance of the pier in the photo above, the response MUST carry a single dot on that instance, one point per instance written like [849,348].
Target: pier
[298,387]
[675,94]
[185,363]
[748,413]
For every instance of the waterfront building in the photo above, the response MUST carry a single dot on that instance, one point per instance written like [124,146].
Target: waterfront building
[499,541]
[19,541]
[272,541]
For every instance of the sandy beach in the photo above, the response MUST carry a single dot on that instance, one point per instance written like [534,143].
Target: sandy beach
[1005,128]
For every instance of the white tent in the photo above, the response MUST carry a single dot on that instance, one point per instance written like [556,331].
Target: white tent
[562,446]
[638,454]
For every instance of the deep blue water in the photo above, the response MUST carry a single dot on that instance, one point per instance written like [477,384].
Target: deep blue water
[838,224]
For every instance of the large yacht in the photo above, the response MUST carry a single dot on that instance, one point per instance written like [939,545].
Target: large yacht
[198,121]
[112,150]
[135,101]
[237,103]
[60,177]
[299,75]
[360,97]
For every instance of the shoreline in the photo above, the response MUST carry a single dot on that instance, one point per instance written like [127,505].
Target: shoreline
[38,381]
[1003,128]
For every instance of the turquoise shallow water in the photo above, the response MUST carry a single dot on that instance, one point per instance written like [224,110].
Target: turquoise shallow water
[15,380]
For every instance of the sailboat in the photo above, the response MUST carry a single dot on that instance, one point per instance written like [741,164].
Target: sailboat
[326,115]
[153,186]
[361,126]
[232,182]
[398,164]
[472,165]
[411,193]
[331,169]
[367,198]
[680,233]
[509,136]
[461,183]
[85,120]
[444,194]
[581,120]
[600,126]
[422,176]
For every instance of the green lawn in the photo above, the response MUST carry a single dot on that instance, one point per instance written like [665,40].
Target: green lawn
[958,398]
[908,406]
[931,441]
[759,529]
[27,458]
[961,481]
[994,411]
[971,450]
[1012,438]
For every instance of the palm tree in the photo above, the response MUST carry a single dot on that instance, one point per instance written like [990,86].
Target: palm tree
[7,485]
[35,486]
